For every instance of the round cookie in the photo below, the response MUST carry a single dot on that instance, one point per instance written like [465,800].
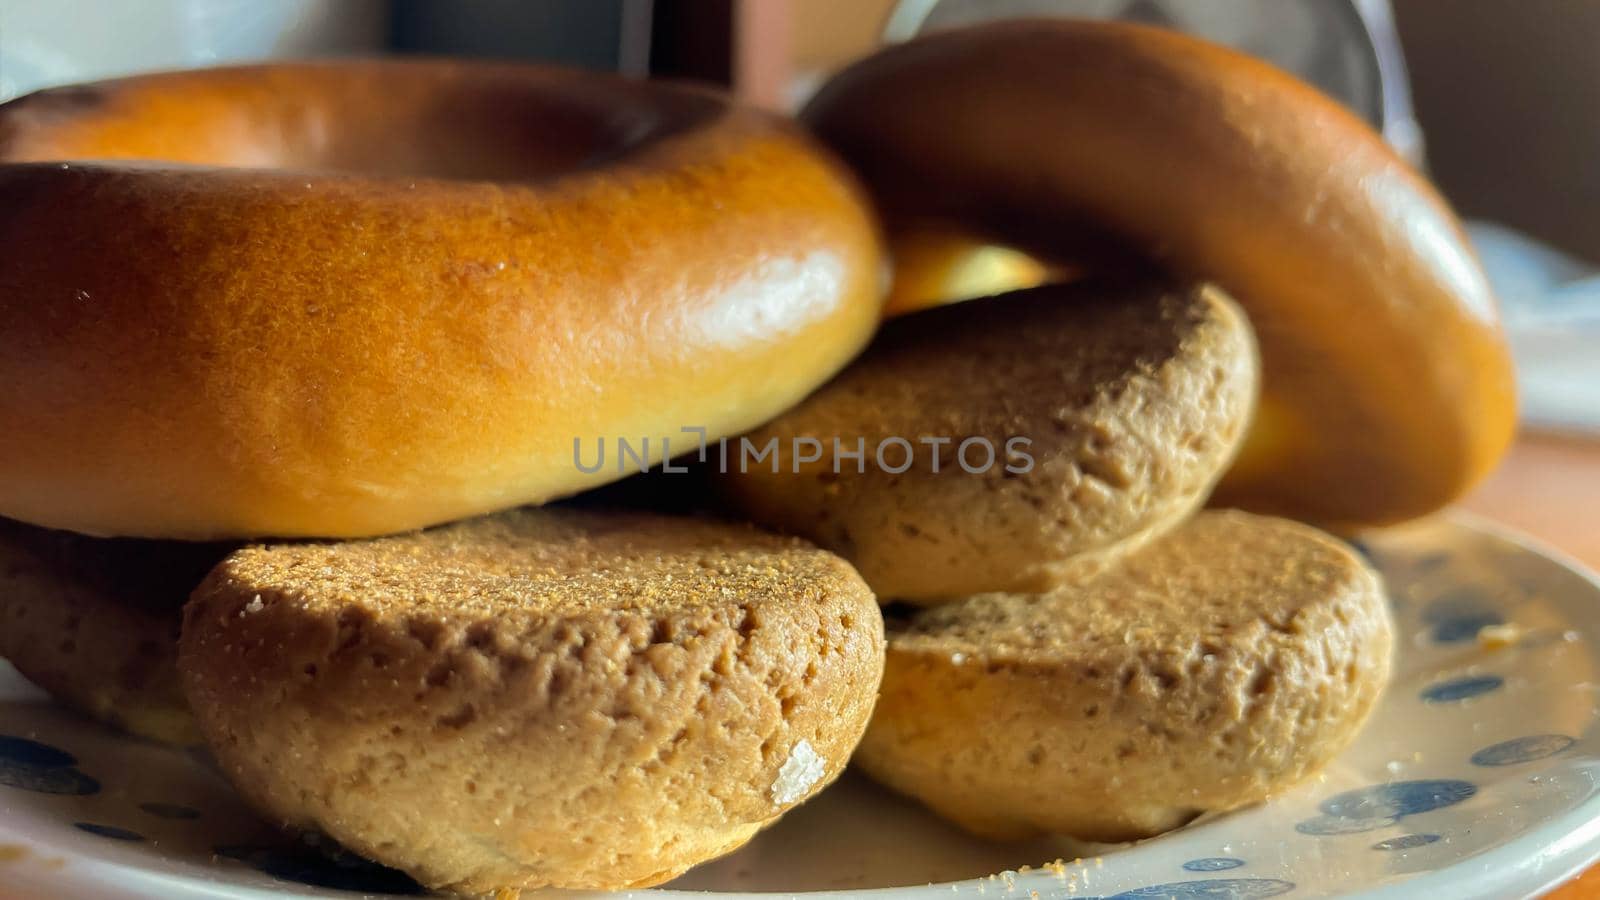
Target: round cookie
[1221,663]
[549,697]
[95,622]
[1131,396]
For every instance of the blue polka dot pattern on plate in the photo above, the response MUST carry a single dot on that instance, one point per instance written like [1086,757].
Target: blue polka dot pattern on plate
[340,871]
[23,752]
[1459,616]
[1213,889]
[1405,842]
[48,781]
[32,766]
[170,810]
[108,831]
[1461,688]
[1398,798]
[1213,864]
[1465,628]
[1382,805]
[1522,749]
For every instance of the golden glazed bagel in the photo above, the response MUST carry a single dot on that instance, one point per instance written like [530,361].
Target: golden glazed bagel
[354,298]
[544,697]
[1387,386]
[95,623]
[1102,413]
[1216,666]
[936,264]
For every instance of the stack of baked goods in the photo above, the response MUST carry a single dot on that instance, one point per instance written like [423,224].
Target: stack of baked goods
[291,355]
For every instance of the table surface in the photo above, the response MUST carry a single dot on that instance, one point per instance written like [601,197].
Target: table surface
[1549,488]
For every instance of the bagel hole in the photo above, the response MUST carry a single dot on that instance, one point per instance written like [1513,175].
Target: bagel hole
[445,121]
[502,132]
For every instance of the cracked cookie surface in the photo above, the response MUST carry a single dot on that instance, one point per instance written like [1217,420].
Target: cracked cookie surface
[1221,663]
[1132,397]
[544,697]
[94,621]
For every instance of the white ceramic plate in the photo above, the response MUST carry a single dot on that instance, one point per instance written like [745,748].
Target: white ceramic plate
[1478,777]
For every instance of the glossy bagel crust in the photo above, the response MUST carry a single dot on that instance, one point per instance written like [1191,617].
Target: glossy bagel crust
[353,298]
[1387,386]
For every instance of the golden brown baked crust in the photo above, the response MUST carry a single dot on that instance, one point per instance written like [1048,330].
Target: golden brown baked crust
[1132,395]
[1220,664]
[95,623]
[935,264]
[1387,385]
[355,298]
[545,697]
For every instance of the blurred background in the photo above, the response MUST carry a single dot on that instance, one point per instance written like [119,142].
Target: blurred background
[1502,96]
[1500,102]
